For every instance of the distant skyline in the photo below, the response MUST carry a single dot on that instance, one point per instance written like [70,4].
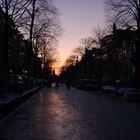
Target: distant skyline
[78,19]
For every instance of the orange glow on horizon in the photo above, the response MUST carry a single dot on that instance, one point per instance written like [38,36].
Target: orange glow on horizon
[57,71]
[57,68]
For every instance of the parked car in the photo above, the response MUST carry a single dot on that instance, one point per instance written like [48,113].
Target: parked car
[87,84]
[132,95]
[108,89]
[25,81]
[122,90]
[15,83]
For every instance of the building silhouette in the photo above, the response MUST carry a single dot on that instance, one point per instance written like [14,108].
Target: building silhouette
[117,54]
[112,63]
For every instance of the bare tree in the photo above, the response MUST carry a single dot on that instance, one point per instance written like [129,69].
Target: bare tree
[78,51]
[98,34]
[71,60]
[94,40]
[16,10]
[87,42]
[42,24]
[36,19]
[13,11]
[123,12]
[48,52]
[127,13]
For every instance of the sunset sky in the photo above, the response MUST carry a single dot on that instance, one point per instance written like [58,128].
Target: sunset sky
[78,19]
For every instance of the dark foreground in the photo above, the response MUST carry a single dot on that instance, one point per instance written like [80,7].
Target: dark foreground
[73,115]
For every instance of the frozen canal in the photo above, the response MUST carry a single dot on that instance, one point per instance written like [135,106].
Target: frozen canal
[73,115]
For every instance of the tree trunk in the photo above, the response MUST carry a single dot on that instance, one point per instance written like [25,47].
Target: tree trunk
[5,70]
[29,69]
[137,53]
[35,65]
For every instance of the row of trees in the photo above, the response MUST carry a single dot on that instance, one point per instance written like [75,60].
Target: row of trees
[124,13]
[38,21]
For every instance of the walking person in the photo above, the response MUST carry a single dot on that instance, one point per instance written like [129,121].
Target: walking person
[56,85]
[68,85]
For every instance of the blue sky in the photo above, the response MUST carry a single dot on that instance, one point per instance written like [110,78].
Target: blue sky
[78,19]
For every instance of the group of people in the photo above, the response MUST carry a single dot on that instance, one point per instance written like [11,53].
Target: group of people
[56,83]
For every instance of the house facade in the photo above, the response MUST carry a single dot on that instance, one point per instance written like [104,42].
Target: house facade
[117,54]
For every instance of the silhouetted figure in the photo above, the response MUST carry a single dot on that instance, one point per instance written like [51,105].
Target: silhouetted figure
[49,83]
[56,85]
[68,84]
